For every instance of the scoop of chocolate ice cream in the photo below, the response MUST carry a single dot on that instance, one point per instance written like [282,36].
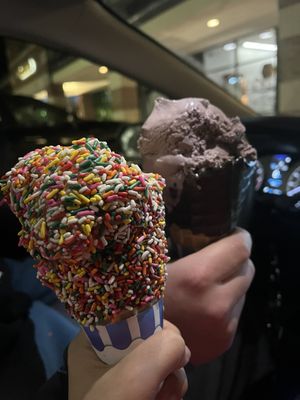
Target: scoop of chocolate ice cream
[189,137]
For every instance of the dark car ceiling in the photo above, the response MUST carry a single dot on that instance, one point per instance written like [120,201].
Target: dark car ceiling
[84,28]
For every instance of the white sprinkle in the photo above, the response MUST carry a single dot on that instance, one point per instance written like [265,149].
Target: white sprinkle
[83,189]
[21,177]
[118,187]
[145,255]
[113,181]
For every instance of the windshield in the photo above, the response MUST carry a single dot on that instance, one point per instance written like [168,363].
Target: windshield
[233,42]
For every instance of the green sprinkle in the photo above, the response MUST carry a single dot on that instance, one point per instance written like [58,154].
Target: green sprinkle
[47,184]
[73,212]
[85,164]
[89,147]
[134,185]
[75,186]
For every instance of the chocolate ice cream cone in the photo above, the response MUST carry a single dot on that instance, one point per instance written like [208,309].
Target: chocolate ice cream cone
[209,206]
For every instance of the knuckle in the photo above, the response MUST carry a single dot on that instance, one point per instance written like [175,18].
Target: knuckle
[219,312]
[243,251]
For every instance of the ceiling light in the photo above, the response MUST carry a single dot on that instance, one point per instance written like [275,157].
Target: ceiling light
[103,70]
[266,35]
[42,95]
[229,46]
[79,88]
[24,71]
[260,46]
[213,23]
[233,80]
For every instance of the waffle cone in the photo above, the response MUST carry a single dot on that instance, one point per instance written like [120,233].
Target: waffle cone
[189,241]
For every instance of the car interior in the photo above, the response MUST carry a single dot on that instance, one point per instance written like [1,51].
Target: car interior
[52,91]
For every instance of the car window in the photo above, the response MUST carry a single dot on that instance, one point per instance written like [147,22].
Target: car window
[40,84]
[70,96]
[231,42]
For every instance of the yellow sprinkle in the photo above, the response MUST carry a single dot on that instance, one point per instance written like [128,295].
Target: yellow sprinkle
[53,162]
[86,229]
[26,201]
[88,177]
[30,244]
[80,159]
[43,230]
[81,274]
[68,286]
[73,207]
[132,182]
[95,180]
[51,194]
[62,193]
[4,188]
[99,198]
[127,221]
[83,198]
[61,240]
[84,321]
[74,154]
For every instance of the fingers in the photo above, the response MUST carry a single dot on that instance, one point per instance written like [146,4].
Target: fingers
[237,285]
[235,289]
[157,358]
[174,386]
[235,317]
[224,258]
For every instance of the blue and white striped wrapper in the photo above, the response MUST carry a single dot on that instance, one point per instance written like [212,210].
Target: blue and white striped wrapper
[114,341]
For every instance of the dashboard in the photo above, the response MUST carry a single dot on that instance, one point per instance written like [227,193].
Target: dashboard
[278,174]
[277,184]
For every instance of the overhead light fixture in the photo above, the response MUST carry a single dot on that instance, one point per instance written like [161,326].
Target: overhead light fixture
[42,95]
[25,70]
[213,23]
[79,88]
[103,70]
[260,46]
[266,35]
[229,46]
[233,80]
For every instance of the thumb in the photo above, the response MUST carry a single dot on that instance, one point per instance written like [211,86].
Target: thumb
[156,358]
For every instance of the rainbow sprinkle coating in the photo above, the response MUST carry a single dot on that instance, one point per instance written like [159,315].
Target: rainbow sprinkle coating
[96,226]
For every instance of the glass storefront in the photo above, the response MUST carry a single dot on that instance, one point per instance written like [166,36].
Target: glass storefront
[246,68]
[234,43]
